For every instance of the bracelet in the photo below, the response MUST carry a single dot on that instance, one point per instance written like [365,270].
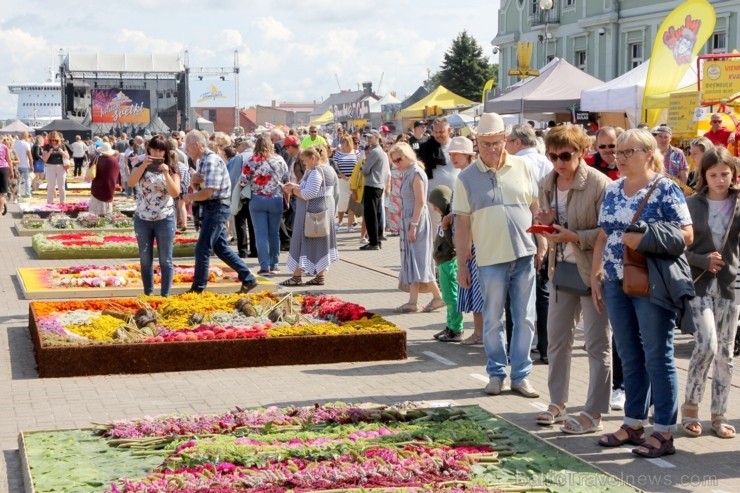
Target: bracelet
[414,223]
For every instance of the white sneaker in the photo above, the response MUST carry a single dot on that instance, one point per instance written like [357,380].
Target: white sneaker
[350,229]
[617,402]
[364,241]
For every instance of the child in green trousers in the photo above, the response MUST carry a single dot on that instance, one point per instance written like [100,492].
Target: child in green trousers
[444,257]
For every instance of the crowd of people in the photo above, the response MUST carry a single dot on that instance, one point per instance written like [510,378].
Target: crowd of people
[532,232]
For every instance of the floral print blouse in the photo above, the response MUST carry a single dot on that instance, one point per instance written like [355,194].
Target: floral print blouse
[265,175]
[153,202]
[667,203]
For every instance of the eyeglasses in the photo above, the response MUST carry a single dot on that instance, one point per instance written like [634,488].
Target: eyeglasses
[563,156]
[627,153]
[716,121]
[610,146]
[313,132]
[53,140]
[490,145]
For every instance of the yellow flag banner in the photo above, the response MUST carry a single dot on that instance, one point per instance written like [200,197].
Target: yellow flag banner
[678,41]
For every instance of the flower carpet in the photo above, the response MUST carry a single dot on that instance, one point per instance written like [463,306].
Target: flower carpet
[331,448]
[205,331]
[121,280]
[33,224]
[95,245]
[75,205]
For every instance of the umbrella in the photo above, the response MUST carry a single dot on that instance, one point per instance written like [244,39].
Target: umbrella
[458,120]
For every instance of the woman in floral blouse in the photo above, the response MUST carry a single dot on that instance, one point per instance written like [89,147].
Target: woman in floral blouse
[266,173]
[159,185]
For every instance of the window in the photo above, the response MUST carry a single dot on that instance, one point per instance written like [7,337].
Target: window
[535,6]
[581,60]
[719,42]
[635,54]
[570,3]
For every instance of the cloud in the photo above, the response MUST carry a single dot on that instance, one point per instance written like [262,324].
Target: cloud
[272,29]
[145,43]
[19,45]
[230,38]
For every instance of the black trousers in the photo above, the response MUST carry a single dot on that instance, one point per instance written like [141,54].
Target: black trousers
[243,224]
[79,161]
[372,201]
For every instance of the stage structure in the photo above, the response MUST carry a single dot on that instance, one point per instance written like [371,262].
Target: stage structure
[125,92]
[214,92]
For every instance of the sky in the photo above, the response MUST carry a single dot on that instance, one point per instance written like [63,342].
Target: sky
[288,51]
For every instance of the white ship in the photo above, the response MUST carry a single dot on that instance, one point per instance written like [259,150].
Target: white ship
[39,103]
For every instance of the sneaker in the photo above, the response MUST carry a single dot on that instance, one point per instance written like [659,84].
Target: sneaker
[495,386]
[247,287]
[450,336]
[439,334]
[350,229]
[263,272]
[525,389]
[617,401]
[364,241]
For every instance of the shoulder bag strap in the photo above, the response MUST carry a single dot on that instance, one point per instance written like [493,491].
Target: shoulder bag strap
[644,201]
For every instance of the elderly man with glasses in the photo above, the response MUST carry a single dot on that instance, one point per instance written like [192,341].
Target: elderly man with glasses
[718,134]
[604,159]
[497,193]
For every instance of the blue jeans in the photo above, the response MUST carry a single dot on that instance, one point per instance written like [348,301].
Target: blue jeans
[266,214]
[212,239]
[164,232]
[26,190]
[517,279]
[643,332]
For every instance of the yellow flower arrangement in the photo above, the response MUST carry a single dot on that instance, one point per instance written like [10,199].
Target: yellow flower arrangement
[102,328]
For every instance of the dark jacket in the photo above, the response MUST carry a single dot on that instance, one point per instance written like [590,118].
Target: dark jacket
[444,246]
[430,153]
[671,285]
[698,252]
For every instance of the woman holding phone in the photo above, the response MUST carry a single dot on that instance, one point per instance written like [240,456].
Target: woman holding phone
[158,181]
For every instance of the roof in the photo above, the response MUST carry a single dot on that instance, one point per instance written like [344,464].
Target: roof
[17,127]
[441,97]
[419,94]
[337,98]
[554,90]
[123,62]
[62,125]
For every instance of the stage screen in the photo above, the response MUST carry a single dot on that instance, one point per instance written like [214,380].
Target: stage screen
[121,106]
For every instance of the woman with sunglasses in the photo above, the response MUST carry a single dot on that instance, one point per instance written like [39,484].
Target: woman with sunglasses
[643,325]
[56,157]
[158,182]
[570,198]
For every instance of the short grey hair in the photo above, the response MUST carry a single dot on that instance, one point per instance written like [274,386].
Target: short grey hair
[441,120]
[197,137]
[276,132]
[524,133]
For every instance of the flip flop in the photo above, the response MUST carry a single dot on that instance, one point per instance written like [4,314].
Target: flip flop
[577,428]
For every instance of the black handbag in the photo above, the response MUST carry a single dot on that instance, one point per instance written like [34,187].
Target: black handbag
[566,278]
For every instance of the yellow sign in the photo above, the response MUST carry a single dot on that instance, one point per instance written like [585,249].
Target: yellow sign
[681,112]
[524,55]
[720,80]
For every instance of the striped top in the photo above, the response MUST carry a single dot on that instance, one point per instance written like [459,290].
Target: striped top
[346,161]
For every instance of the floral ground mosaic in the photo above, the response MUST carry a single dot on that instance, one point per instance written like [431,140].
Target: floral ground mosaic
[121,280]
[204,331]
[331,448]
[94,245]
[33,224]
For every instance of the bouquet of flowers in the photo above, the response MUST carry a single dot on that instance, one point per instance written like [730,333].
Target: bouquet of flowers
[90,220]
[60,220]
[32,221]
[119,220]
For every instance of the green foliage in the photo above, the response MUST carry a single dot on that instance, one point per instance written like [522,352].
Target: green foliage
[465,69]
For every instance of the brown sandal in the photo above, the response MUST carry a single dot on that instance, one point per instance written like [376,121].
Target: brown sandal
[634,436]
[316,281]
[293,281]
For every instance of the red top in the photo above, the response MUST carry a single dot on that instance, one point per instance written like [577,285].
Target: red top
[103,186]
[720,137]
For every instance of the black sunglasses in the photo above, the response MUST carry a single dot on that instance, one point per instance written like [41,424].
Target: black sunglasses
[610,146]
[563,156]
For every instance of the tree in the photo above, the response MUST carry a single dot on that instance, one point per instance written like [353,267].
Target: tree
[465,70]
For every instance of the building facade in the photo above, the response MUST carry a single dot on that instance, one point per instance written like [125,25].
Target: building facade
[605,38]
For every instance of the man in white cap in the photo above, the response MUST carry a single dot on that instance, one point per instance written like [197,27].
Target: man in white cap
[498,194]
[674,160]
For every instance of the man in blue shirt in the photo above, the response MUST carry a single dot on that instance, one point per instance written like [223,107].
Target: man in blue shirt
[214,198]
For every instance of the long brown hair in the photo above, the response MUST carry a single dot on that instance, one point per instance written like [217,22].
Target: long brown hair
[714,157]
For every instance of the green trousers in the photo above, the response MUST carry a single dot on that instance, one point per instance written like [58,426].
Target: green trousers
[448,287]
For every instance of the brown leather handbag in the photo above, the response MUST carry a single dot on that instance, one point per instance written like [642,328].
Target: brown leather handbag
[636,280]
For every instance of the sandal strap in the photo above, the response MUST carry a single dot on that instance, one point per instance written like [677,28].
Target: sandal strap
[593,420]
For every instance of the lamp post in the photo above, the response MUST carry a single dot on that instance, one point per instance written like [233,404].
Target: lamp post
[546,6]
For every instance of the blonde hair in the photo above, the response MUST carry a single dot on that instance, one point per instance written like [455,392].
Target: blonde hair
[406,151]
[347,139]
[647,142]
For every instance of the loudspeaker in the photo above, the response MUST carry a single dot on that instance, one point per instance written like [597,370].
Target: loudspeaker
[70,95]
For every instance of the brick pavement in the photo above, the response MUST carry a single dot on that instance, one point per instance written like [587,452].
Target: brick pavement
[433,371]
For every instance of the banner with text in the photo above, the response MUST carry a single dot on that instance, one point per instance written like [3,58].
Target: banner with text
[212,93]
[359,110]
[121,106]
[720,80]
[681,106]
